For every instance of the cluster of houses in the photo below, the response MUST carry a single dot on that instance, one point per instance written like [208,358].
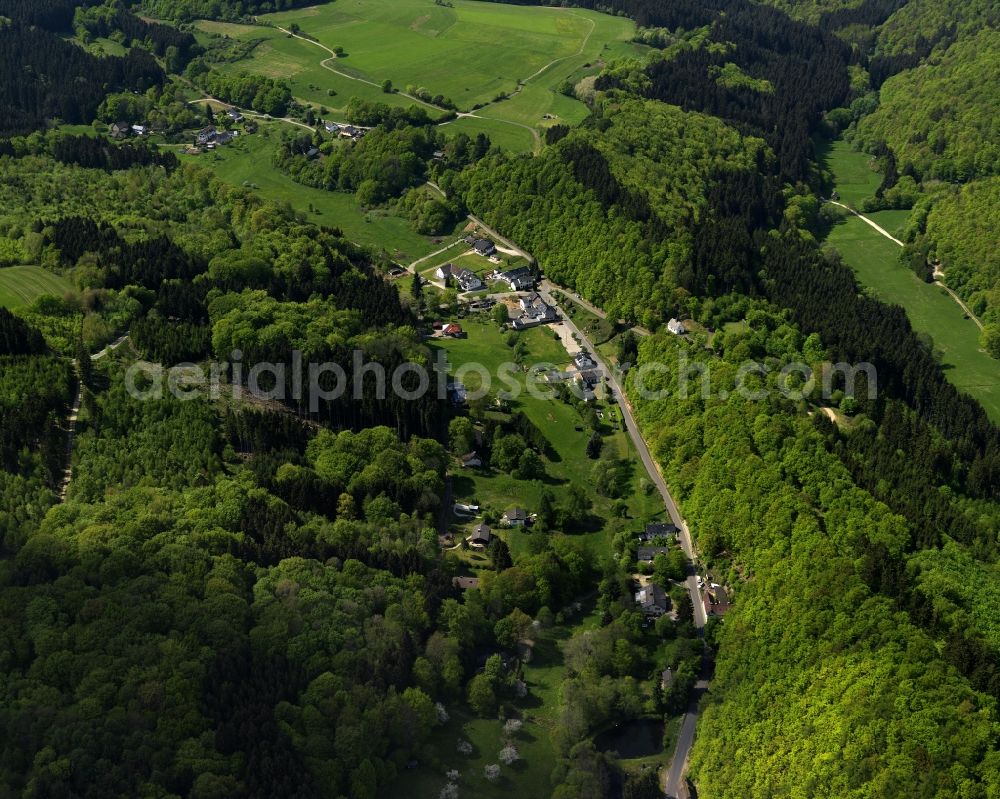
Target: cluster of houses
[534,311]
[351,132]
[481,534]
[466,279]
[586,375]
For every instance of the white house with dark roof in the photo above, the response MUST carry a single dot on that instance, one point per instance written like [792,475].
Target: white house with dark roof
[515,517]
[652,600]
[484,247]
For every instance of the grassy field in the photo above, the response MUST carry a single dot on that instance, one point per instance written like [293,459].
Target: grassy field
[21,285]
[932,312]
[248,161]
[853,171]
[470,52]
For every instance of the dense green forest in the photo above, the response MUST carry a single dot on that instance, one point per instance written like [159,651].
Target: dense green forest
[242,594]
[961,231]
[827,701]
[941,120]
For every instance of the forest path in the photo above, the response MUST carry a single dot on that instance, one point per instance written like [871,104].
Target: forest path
[74,413]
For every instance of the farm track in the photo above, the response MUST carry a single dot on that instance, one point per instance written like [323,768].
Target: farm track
[937,273]
[74,414]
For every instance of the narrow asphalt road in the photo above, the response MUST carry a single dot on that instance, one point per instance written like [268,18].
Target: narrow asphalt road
[685,738]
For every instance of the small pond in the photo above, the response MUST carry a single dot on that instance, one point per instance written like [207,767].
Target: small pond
[636,738]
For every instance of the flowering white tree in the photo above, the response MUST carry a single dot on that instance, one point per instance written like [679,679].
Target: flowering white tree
[492,772]
[512,727]
[453,775]
[442,713]
[449,791]
[508,754]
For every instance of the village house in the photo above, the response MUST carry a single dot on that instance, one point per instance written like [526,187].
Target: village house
[657,531]
[331,127]
[207,135]
[481,536]
[520,279]
[250,127]
[652,600]
[234,115]
[457,393]
[466,279]
[715,599]
[583,361]
[555,376]
[648,554]
[590,378]
[452,330]
[515,517]
[676,327]
[534,311]
[484,247]
[120,130]
[140,130]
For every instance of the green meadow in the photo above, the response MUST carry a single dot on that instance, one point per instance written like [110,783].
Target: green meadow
[247,161]
[564,428]
[931,311]
[22,285]
[854,174]
[470,52]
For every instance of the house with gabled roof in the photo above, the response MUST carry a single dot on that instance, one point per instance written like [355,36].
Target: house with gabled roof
[481,536]
[652,600]
[515,517]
